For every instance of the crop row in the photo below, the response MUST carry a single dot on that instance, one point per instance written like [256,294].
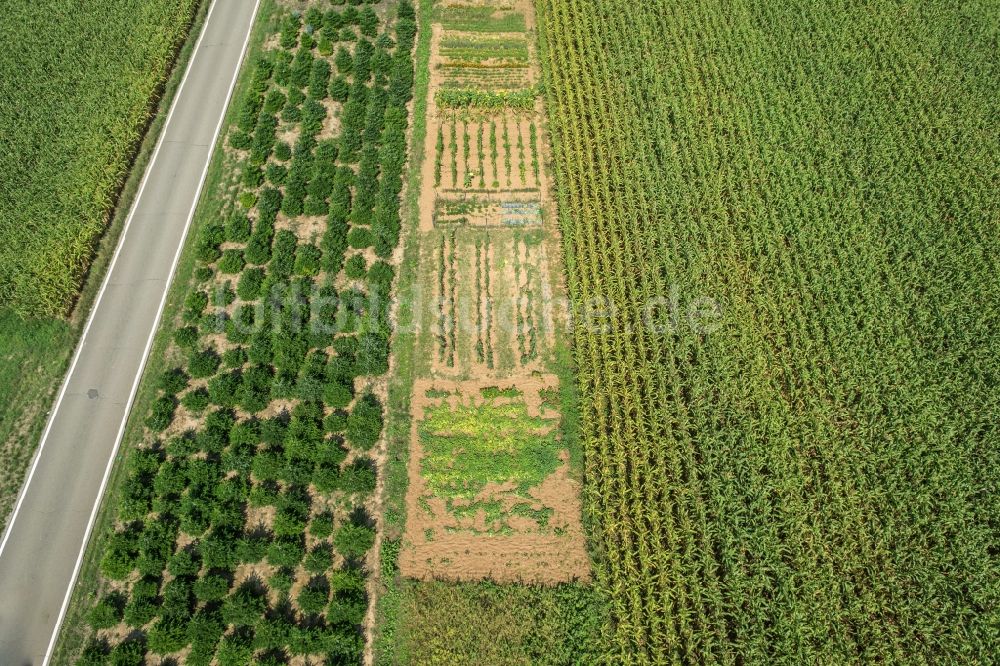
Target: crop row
[72,112]
[784,405]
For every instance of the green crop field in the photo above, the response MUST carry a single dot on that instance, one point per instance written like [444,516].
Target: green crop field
[807,472]
[72,111]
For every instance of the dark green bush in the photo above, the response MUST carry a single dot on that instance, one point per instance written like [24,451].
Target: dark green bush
[282,580]
[222,388]
[344,61]
[277,174]
[234,358]
[313,597]
[364,424]
[173,381]
[321,525]
[368,22]
[301,68]
[360,238]
[161,413]
[232,262]
[254,392]
[238,228]
[282,151]
[319,559]
[285,552]
[339,89]
[307,260]
[186,337]
[185,562]
[356,267]
[358,477]
[248,288]
[319,78]
[353,541]
[168,634]
[203,363]
[211,587]
[236,649]
[196,401]
[108,611]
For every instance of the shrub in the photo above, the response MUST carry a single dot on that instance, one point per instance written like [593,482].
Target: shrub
[338,394]
[321,525]
[307,260]
[236,649]
[130,652]
[209,239]
[286,552]
[319,559]
[238,228]
[364,424]
[247,200]
[344,61]
[173,381]
[359,238]
[108,611]
[353,541]
[359,477]
[254,392]
[186,337]
[203,363]
[274,102]
[282,580]
[318,79]
[243,608]
[277,174]
[184,563]
[232,262]
[282,151]
[211,587]
[356,267]
[373,354]
[168,635]
[195,401]
[313,598]
[222,389]
[248,288]
[339,89]
[283,258]
[194,304]
[234,358]
[161,413]
[368,22]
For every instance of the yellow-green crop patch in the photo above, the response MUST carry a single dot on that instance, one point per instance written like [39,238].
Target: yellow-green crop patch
[72,111]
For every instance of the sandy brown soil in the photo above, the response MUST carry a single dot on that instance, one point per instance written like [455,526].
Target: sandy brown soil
[441,545]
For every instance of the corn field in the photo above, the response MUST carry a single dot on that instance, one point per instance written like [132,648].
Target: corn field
[815,481]
[74,97]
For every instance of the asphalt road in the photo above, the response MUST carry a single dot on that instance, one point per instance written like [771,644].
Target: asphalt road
[40,552]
